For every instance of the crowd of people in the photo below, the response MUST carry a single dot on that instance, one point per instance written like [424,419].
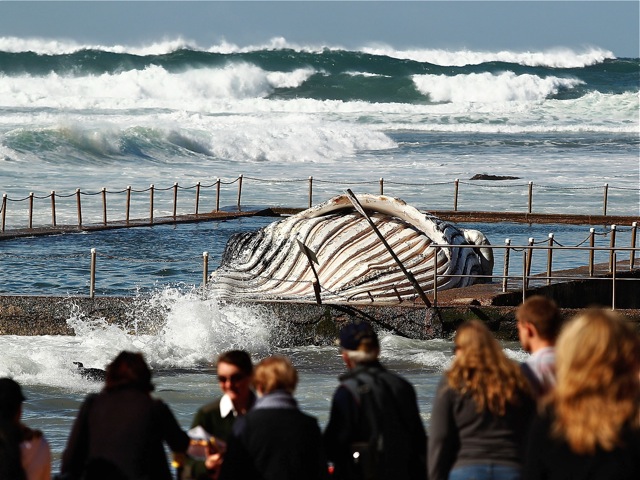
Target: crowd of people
[571,410]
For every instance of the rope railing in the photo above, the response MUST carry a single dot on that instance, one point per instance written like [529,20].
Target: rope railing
[200,189]
[520,280]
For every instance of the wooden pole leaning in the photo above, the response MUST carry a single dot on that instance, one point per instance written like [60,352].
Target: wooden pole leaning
[239,192]
[151,188]
[53,208]
[530,207]
[356,203]
[79,207]
[30,210]
[217,195]
[455,194]
[175,200]
[310,192]
[128,203]
[197,196]
[381,186]
[605,199]
[104,205]
[4,210]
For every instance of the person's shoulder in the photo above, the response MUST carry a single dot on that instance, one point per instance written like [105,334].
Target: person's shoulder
[211,407]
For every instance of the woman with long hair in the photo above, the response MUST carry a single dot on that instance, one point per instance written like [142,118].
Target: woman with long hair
[481,412]
[590,424]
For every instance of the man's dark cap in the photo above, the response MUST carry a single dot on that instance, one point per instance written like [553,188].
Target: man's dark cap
[10,394]
[353,334]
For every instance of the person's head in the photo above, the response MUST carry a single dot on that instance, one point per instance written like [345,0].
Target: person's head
[128,370]
[359,343]
[235,370]
[539,321]
[11,399]
[275,373]
[481,369]
[598,382]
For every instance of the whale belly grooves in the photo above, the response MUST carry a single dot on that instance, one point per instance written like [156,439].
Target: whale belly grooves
[353,265]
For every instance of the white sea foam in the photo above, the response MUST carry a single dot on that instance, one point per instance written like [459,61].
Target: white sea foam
[491,88]
[196,330]
[555,58]
[559,57]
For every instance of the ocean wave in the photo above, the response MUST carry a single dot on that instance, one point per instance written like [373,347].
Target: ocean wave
[554,58]
[491,88]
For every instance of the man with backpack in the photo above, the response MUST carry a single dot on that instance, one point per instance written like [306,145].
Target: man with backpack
[375,431]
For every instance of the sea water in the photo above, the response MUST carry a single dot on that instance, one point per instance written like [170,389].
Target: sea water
[94,116]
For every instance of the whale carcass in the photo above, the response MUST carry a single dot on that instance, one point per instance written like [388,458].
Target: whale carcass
[346,258]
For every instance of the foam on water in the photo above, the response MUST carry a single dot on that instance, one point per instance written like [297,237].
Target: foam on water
[196,330]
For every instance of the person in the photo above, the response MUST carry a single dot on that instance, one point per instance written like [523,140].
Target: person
[275,440]
[539,321]
[375,430]
[24,453]
[119,432]
[235,373]
[589,427]
[481,412]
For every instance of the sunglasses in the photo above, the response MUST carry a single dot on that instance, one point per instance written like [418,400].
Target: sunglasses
[235,378]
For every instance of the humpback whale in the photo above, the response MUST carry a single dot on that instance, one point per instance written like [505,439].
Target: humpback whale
[331,252]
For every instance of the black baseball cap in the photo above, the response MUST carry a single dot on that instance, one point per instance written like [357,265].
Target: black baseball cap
[353,334]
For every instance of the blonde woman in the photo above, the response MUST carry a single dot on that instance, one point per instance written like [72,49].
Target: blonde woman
[590,428]
[274,440]
[481,412]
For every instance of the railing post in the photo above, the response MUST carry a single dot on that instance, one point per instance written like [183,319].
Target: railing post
[381,186]
[524,273]
[549,258]
[30,210]
[175,199]
[4,210]
[197,196]
[455,194]
[529,261]
[592,242]
[128,206]
[632,256]
[79,207]
[613,284]
[92,284]
[239,191]
[53,208]
[505,274]
[218,195]
[205,268]
[151,188]
[530,197]
[435,276]
[310,192]
[612,245]
[605,199]
[104,205]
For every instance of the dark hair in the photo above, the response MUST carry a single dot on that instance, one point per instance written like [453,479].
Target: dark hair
[128,369]
[11,398]
[239,358]
[543,313]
